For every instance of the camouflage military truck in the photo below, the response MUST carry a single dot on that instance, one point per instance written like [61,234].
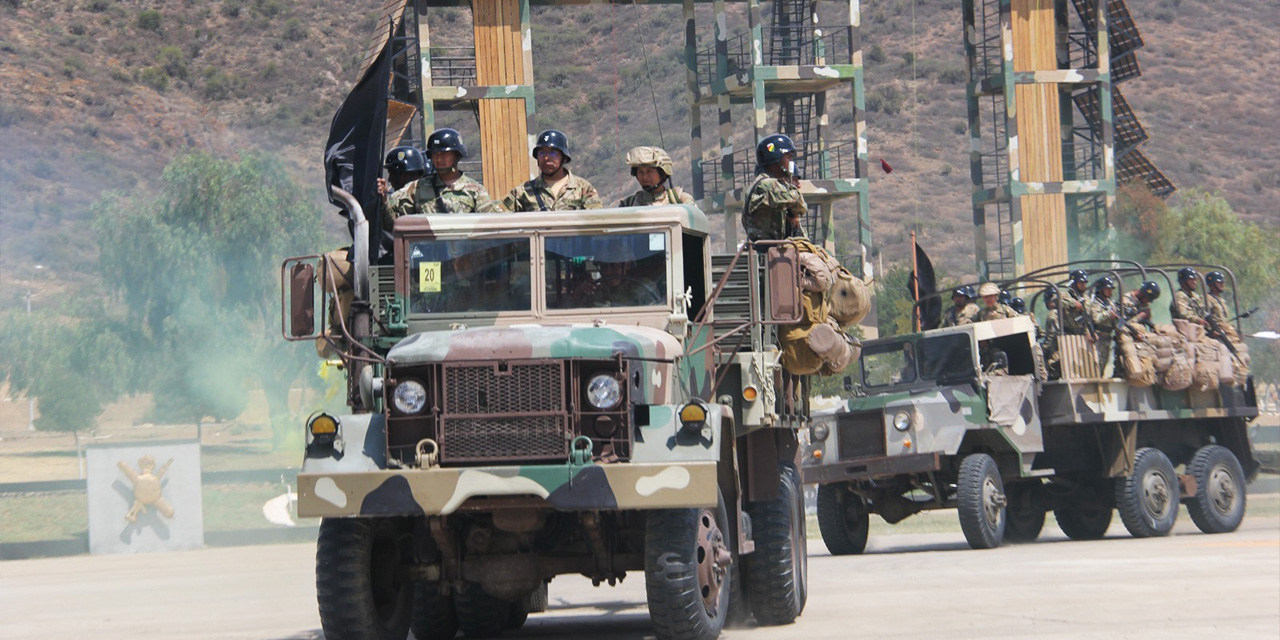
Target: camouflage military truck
[555,393]
[964,417]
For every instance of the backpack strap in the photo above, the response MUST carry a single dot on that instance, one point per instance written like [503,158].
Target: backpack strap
[532,185]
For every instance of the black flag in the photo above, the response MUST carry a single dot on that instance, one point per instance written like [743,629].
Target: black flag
[931,308]
[353,153]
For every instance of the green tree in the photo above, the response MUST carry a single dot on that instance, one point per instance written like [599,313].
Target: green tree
[196,265]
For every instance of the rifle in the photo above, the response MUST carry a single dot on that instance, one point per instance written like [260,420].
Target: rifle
[1246,314]
[1215,332]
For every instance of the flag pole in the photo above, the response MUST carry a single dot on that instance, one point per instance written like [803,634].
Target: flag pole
[915,281]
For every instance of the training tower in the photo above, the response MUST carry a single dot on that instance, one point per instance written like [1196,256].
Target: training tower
[1051,134]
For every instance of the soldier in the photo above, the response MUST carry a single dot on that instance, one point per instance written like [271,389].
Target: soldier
[555,188]
[651,167]
[993,309]
[1075,314]
[444,191]
[1105,316]
[774,204]
[964,311]
[1135,309]
[404,164]
[1019,305]
[616,287]
[1049,335]
[1187,304]
[1215,306]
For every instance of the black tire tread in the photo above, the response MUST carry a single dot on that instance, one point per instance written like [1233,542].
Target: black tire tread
[973,472]
[434,617]
[671,581]
[1077,526]
[1200,506]
[832,524]
[343,586]
[1129,495]
[480,615]
[772,588]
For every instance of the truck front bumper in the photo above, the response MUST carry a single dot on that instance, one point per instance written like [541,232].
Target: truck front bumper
[867,468]
[620,486]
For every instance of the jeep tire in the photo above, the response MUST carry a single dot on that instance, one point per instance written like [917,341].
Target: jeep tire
[362,585]
[842,519]
[980,499]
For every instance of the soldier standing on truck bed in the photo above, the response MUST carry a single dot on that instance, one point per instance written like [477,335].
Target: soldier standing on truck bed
[1187,304]
[1103,311]
[774,204]
[1049,336]
[555,188]
[446,190]
[651,167]
[992,308]
[964,311]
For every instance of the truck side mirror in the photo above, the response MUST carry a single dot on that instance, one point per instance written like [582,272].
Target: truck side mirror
[783,265]
[302,300]
[848,383]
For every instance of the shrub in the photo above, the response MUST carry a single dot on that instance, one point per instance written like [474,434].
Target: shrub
[173,62]
[77,29]
[98,6]
[148,20]
[294,30]
[218,85]
[154,77]
[953,75]
[875,54]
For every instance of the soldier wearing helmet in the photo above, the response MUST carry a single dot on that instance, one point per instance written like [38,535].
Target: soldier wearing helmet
[555,188]
[1075,311]
[1105,317]
[404,164]
[992,308]
[1019,305]
[1216,306]
[1187,304]
[1049,335]
[964,310]
[446,190]
[1135,308]
[773,205]
[651,167]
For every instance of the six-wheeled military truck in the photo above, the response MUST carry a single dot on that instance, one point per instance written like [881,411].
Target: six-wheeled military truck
[554,393]
[965,417]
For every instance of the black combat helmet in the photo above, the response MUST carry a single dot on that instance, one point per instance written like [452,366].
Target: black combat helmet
[1215,277]
[405,159]
[1005,297]
[1050,296]
[965,292]
[1079,275]
[446,140]
[770,150]
[1187,273]
[1018,304]
[1150,289]
[553,139]
[1105,282]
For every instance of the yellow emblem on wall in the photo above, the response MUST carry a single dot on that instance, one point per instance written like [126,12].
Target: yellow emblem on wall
[147,490]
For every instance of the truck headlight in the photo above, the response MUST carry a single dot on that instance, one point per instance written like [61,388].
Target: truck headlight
[409,397]
[902,421]
[819,432]
[604,392]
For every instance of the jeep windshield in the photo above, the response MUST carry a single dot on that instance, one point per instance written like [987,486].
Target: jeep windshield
[596,271]
[888,364]
[947,358]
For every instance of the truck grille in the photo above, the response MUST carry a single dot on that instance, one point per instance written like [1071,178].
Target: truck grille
[861,435]
[504,411]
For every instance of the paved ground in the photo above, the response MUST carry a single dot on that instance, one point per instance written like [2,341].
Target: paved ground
[907,586]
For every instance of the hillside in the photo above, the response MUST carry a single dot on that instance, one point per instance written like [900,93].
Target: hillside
[98,95]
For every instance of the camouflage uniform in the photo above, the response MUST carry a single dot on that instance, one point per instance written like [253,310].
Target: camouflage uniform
[1103,312]
[1216,308]
[577,194]
[429,194]
[957,316]
[1131,306]
[1075,314]
[642,198]
[1049,344]
[1186,305]
[764,217]
[997,312]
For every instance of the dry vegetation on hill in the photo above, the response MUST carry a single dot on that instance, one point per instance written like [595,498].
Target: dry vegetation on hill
[100,94]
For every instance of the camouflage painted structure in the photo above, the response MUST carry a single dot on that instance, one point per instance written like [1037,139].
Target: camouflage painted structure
[507,428]
[1051,135]
[965,417]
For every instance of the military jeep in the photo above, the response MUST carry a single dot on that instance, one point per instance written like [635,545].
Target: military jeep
[964,417]
[554,393]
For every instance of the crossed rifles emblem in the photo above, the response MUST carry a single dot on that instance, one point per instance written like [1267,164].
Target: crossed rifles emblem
[147,491]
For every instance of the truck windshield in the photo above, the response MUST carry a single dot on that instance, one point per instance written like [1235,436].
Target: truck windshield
[468,276]
[623,270]
[946,357]
[886,364]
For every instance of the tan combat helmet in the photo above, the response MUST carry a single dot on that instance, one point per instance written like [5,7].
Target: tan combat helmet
[650,157]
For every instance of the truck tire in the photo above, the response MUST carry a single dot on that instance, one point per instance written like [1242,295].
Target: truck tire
[1023,520]
[1083,522]
[779,566]
[1148,499]
[842,520]
[362,588]
[687,572]
[1218,506]
[433,615]
[981,501]
[480,615]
